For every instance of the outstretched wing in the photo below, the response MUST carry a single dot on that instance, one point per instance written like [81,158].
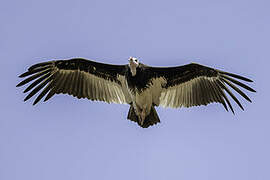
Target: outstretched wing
[78,77]
[194,85]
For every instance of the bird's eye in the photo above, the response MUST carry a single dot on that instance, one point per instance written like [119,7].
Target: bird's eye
[136,60]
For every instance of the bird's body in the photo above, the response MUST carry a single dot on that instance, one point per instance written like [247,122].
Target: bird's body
[144,91]
[142,87]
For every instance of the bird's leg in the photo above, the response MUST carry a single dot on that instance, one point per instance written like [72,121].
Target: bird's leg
[140,113]
[142,116]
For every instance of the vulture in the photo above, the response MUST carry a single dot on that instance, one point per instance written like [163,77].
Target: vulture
[140,86]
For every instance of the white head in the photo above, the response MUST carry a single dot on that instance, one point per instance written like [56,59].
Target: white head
[133,64]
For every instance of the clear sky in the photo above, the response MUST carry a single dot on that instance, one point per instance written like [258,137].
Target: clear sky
[70,139]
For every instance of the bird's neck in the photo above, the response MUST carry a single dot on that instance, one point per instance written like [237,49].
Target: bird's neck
[133,70]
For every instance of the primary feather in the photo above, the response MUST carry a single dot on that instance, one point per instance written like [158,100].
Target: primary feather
[136,84]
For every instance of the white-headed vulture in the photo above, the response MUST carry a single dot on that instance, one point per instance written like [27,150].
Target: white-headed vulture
[140,86]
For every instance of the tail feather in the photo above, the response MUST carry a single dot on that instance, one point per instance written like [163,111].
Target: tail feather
[150,120]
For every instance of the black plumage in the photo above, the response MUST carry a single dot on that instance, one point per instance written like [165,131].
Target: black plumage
[136,84]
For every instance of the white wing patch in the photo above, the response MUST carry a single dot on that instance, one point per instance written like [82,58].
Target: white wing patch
[84,85]
[156,89]
[193,92]
[124,88]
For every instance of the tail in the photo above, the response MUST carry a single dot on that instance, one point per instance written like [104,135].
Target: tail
[150,120]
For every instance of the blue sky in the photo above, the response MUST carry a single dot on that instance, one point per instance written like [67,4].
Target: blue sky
[67,138]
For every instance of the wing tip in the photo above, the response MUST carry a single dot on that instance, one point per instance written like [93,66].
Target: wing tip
[40,65]
[235,76]
[26,98]
[35,102]
[253,90]
[21,75]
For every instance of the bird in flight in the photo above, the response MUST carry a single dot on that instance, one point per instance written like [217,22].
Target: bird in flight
[140,86]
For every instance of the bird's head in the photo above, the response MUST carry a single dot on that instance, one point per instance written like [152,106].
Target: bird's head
[133,64]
